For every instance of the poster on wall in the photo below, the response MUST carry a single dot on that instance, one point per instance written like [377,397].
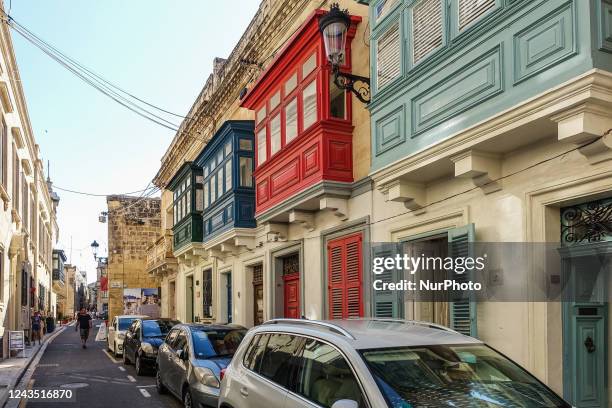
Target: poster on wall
[141,301]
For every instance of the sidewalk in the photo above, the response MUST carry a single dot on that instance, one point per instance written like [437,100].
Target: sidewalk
[12,369]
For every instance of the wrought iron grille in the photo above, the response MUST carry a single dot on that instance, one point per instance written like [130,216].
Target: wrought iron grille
[291,264]
[587,223]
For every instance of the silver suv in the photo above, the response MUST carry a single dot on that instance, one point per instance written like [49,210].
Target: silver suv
[373,363]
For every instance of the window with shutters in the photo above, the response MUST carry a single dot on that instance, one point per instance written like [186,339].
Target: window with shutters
[471,10]
[207,293]
[383,8]
[463,316]
[388,56]
[427,28]
[16,170]
[345,277]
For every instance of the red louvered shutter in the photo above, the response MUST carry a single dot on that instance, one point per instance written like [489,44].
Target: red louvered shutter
[345,266]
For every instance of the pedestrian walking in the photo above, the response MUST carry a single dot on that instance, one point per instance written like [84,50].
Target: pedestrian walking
[36,326]
[84,322]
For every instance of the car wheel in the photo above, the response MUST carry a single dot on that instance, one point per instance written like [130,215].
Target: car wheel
[161,388]
[126,361]
[138,366]
[187,401]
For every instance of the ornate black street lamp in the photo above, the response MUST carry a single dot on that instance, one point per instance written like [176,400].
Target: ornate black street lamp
[334,26]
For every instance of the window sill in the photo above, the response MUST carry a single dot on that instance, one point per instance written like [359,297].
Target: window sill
[5,197]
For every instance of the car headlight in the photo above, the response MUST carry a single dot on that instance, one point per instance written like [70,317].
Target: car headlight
[206,377]
[148,348]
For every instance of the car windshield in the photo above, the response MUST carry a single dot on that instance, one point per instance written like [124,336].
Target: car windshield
[157,328]
[216,343]
[124,324]
[455,376]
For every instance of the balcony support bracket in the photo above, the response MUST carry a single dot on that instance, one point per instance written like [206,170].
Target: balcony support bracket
[338,206]
[305,219]
[411,194]
[483,168]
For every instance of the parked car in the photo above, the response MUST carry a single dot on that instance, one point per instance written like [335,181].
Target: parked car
[116,333]
[190,360]
[373,363]
[142,339]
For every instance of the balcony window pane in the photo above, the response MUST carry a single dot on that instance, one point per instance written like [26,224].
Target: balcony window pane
[426,28]
[261,114]
[275,134]
[388,56]
[220,189]
[199,179]
[188,201]
[290,84]
[309,103]
[471,10]
[291,120]
[337,100]
[206,171]
[228,148]
[246,172]
[213,189]
[246,144]
[275,100]
[219,157]
[199,199]
[228,175]
[206,195]
[309,65]
[261,146]
[384,7]
[188,182]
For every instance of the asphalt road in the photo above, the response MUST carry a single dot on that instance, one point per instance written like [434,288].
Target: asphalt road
[97,379]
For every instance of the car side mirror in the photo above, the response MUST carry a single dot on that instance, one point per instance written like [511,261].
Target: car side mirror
[345,403]
[181,354]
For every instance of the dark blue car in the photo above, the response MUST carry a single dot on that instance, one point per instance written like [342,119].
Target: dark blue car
[142,340]
[190,361]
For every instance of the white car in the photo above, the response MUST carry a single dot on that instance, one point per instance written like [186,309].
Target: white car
[116,332]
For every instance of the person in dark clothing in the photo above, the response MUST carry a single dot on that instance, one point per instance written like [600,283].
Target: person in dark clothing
[36,326]
[84,323]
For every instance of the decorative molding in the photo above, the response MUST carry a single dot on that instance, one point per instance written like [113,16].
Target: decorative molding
[471,85]
[5,197]
[483,168]
[605,25]
[544,43]
[18,137]
[595,85]
[5,97]
[390,130]
[274,232]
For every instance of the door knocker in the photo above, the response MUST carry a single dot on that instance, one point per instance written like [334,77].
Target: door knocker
[590,346]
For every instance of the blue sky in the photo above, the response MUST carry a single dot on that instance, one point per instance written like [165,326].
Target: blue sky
[159,50]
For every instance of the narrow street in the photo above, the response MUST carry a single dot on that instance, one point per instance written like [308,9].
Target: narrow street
[97,379]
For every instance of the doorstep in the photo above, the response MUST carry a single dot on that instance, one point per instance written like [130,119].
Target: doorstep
[12,369]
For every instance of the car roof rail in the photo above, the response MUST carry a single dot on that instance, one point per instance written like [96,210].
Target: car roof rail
[406,321]
[305,322]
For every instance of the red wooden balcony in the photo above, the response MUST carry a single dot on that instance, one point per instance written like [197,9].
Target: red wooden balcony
[303,131]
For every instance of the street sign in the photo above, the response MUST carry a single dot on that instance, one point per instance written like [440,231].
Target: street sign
[17,341]
[115,284]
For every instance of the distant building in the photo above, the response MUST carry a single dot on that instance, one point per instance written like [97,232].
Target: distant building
[133,225]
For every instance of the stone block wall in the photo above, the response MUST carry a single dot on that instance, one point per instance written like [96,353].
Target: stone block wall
[133,225]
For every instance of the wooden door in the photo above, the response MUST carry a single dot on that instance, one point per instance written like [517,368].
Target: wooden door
[292,295]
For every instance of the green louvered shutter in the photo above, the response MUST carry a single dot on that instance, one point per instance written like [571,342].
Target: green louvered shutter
[387,303]
[462,311]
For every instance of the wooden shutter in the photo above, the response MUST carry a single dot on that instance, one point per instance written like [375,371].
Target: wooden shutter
[387,303]
[462,311]
[427,28]
[388,56]
[470,10]
[345,271]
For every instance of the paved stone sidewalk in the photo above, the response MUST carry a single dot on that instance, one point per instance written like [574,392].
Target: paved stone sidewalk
[12,369]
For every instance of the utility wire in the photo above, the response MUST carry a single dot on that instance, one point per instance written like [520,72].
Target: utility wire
[101,87]
[88,70]
[96,194]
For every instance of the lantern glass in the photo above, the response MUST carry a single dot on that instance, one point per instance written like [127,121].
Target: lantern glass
[334,37]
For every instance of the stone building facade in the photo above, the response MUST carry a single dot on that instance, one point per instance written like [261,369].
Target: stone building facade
[133,226]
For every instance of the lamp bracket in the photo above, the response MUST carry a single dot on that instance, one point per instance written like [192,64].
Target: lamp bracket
[358,85]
